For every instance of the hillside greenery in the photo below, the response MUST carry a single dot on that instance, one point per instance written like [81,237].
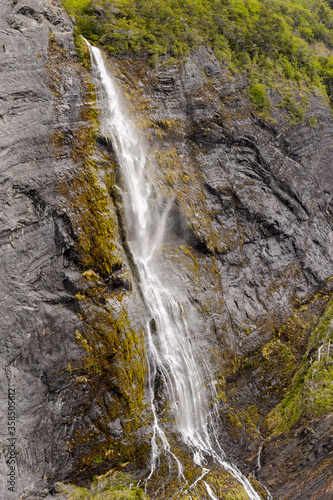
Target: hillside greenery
[274,41]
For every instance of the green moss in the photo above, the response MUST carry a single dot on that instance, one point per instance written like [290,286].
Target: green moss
[82,50]
[236,494]
[99,224]
[165,480]
[111,486]
[273,367]
[114,352]
[95,219]
[113,361]
[275,352]
[311,393]
[225,486]
[312,121]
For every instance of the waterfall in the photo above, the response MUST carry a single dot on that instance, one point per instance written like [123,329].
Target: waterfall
[168,333]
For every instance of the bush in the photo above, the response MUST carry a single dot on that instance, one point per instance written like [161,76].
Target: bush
[259,97]
[294,110]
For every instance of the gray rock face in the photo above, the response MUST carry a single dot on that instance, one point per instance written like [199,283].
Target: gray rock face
[302,466]
[35,322]
[267,191]
[41,102]
[57,344]
[250,238]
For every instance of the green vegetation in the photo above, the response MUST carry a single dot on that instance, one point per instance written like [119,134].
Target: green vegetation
[258,96]
[312,386]
[117,485]
[272,40]
[111,486]
[82,51]
[295,110]
[226,487]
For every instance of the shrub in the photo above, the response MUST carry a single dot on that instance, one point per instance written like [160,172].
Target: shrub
[258,96]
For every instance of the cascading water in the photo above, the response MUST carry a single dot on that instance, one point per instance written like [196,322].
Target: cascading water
[169,336]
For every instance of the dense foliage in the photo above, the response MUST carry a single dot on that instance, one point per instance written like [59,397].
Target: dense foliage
[286,39]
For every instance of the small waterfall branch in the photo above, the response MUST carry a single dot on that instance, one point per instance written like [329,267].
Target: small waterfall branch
[168,334]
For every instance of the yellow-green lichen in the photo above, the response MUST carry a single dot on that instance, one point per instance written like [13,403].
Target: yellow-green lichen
[82,50]
[115,356]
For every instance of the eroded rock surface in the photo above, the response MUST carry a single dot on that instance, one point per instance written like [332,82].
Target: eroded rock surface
[34,325]
[300,466]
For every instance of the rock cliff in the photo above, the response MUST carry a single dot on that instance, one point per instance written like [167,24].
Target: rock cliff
[49,198]
[248,243]
[253,219]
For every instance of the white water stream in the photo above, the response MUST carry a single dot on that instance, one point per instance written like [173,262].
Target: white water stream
[169,336]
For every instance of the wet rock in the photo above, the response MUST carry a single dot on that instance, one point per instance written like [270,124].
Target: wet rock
[250,231]
[263,189]
[116,429]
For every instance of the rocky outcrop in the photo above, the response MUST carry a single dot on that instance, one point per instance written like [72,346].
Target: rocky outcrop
[265,207]
[248,244]
[35,323]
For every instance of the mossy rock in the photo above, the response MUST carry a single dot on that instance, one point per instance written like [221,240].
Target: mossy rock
[311,393]
[111,486]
